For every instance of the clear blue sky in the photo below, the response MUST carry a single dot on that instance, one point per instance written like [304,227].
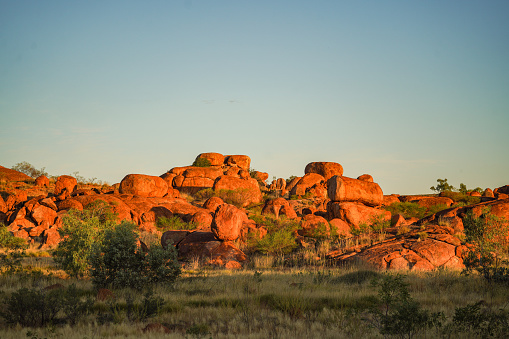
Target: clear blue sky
[407,91]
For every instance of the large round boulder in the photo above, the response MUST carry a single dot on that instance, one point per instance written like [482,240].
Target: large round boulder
[248,187]
[325,169]
[356,214]
[306,182]
[65,183]
[227,222]
[215,159]
[347,189]
[143,185]
[242,161]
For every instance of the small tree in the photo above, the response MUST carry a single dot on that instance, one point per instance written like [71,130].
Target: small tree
[29,169]
[80,231]
[118,262]
[442,186]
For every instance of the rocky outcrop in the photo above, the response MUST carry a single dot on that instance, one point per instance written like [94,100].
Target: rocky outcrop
[8,174]
[413,251]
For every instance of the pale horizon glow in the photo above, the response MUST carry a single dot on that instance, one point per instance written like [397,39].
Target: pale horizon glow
[408,92]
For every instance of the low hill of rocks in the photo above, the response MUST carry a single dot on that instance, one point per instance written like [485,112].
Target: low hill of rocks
[323,202]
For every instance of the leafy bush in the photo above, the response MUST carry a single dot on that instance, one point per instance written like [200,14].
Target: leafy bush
[174,223]
[202,162]
[36,308]
[394,312]
[149,307]
[407,209]
[118,262]
[29,169]
[488,236]
[479,319]
[80,231]
[280,237]
[9,241]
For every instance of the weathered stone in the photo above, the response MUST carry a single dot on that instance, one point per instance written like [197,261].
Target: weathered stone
[227,222]
[173,237]
[365,177]
[279,206]
[325,169]
[43,216]
[65,184]
[347,189]
[215,159]
[242,161]
[355,214]
[42,181]
[306,182]
[212,203]
[68,204]
[314,226]
[143,185]
[202,219]
[250,188]
[342,228]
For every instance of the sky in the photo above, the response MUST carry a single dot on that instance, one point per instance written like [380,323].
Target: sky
[407,91]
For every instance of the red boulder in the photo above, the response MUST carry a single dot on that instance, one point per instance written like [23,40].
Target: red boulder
[143,185]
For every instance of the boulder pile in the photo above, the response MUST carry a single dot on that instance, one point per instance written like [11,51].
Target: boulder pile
[323,202]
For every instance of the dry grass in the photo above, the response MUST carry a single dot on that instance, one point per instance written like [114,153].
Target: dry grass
[261,302]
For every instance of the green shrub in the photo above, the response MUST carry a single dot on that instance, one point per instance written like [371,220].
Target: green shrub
[479,319]
[202,162]
[394,312]
[280,237]
[407,209]
[118,262]
[174,223]
[378,223]
[488,236]
[149,307]
[80,231]
[9,241]
[36,308]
